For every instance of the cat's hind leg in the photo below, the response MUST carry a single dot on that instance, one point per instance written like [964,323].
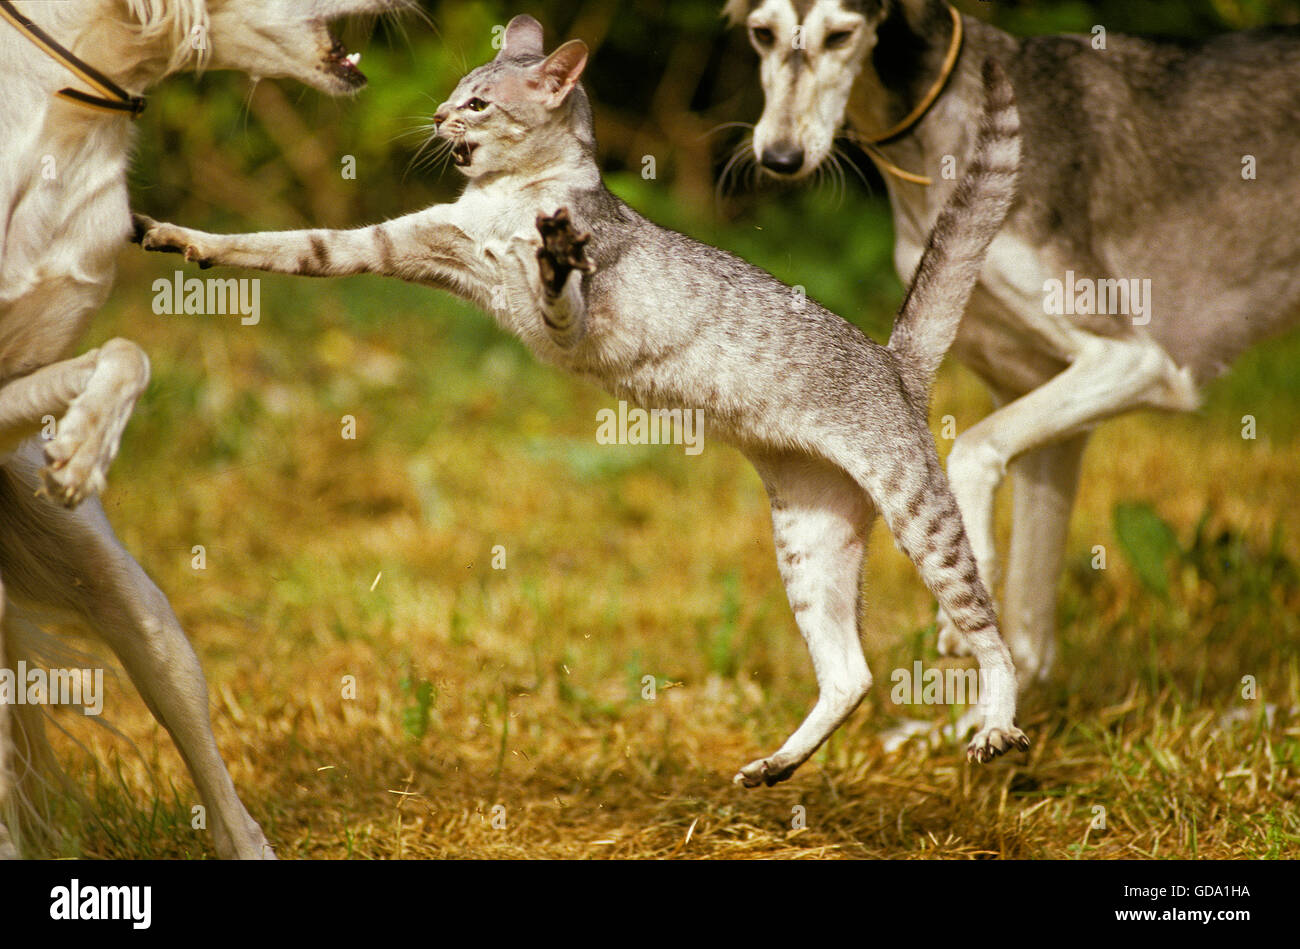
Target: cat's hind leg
[820,523]
[911,492]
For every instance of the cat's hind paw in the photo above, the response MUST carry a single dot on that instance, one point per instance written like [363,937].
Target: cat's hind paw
[989,743]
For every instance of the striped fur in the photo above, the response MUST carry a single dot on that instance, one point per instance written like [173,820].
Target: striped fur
[834,424]
[959,242]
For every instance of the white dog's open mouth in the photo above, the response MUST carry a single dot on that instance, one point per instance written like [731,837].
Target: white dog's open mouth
[344,64]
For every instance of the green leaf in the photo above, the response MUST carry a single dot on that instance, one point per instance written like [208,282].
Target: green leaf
[1147,542]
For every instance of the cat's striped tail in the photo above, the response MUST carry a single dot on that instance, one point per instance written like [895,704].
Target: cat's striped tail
[954,255]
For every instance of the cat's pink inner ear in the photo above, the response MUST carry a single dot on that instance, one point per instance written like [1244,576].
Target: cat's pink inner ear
[523,37]
[562,69]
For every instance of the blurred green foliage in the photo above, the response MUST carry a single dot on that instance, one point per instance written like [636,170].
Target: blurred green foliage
[666,77]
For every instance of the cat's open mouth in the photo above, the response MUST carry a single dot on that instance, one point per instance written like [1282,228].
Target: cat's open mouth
[344,64]
[462,153]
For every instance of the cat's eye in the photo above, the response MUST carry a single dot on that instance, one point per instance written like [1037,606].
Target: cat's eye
[763,36]
[838,39]
[477,105]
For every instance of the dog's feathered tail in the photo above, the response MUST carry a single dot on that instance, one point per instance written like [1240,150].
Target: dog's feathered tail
[31,778]
[954,255]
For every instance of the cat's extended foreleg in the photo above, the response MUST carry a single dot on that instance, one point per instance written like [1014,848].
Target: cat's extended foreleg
[427,247]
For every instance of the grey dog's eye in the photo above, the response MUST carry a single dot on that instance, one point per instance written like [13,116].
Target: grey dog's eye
[477,105]
[838,38]
[763,36]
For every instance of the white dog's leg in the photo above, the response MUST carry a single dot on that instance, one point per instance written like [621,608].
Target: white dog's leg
[1108,377]
[92,397]
[71,560]
[820,520]
[1044,481]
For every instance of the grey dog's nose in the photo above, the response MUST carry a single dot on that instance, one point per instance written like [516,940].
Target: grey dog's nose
[783,158]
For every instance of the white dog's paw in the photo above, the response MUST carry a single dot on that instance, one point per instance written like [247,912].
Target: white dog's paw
[85,443]
[989,743]
[951,640]
[78,457]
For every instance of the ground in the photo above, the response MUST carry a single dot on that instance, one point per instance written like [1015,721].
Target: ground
[497,585]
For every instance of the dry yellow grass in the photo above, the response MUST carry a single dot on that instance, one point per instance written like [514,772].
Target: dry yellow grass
[372,558]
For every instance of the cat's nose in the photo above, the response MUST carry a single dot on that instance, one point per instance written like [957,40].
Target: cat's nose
[784,158]
[441,116]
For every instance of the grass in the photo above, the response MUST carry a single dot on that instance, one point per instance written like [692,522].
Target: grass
[500,712]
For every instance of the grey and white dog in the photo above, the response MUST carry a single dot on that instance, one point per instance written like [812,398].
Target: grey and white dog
[1154,239]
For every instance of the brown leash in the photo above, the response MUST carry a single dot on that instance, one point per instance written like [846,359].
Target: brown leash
[112,97]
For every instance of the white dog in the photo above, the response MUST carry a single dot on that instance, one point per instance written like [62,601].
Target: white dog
[74,75]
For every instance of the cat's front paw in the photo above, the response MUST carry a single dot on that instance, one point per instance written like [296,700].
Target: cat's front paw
[563,250]
[989,743]
[168,239]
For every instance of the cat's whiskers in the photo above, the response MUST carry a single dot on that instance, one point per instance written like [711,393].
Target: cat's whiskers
[435,151]
[425,128]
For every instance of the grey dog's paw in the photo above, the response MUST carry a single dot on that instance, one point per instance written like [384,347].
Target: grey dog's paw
[989,743]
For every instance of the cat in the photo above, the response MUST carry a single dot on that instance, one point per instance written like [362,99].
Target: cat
[834,423]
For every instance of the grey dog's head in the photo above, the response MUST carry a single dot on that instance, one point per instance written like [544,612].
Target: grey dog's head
[811,53]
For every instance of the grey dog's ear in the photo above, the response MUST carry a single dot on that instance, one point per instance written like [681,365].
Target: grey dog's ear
[524,37]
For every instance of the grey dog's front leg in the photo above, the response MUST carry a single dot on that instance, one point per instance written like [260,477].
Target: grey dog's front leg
[427,247]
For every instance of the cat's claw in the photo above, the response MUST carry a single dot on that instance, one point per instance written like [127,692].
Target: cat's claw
[167,239]
[563,250]
[989,743]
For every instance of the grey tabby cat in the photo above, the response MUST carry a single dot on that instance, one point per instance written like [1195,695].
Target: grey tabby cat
[834,424]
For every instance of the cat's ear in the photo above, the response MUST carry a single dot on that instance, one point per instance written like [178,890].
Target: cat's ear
[561,71]
[523,37]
